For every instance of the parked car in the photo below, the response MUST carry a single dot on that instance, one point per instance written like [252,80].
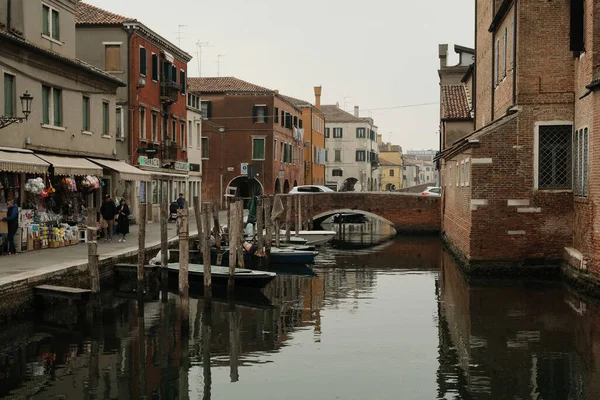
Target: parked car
[434,191]
[309,189]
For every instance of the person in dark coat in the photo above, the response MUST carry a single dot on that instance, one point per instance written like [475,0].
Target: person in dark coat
[12,219]
[181,201]
[108,210]
[123,220]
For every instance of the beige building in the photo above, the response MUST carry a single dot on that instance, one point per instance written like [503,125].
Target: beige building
[74,111]
[390,159]
[194,149]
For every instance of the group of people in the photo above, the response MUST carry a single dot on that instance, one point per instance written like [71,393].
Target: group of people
[112,213]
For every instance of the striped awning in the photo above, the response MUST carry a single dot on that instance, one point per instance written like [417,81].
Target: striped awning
[126,172]
[22,161]
[67,166]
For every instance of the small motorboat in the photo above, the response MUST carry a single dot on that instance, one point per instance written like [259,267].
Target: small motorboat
[245,278]
[292,256]
[315,238]
[349,218]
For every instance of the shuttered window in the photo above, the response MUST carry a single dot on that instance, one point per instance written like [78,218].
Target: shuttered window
[9,95]
[182,81]
[105,118]
[155,67]
[112,57]
[86,113]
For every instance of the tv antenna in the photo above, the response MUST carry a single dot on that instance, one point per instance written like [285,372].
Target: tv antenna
[219,64]
[179,37]
[199,46]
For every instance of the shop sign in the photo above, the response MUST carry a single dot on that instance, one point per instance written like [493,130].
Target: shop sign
[244,169]
[149,162]
[182,166]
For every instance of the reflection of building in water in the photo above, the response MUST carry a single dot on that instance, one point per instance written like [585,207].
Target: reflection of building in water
[515,342]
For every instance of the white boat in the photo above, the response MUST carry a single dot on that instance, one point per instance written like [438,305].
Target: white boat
[314,238]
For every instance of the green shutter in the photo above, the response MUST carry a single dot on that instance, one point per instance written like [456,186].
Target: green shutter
[105,119]
[9,95]
[86,114]
[155,67]
[45,18]
[57,103]
[259,149]
[55,25]
[143,61]
[174,73]
[45,105]
[182,81]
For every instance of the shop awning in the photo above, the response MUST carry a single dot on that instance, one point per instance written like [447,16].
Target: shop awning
[160,175]
[126,172]
[23,161]
[72,166]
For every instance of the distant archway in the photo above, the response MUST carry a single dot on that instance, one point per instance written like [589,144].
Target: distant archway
[277,186]
[246,188]
[286,186]
[295,184]
[348,185]
[390,187]
[319,218]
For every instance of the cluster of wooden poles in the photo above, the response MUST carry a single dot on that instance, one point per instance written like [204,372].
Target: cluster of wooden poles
[235,237]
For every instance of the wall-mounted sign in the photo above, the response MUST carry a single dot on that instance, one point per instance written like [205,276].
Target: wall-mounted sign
[149,162]
[244,169]
[281,174]
[229,169]
[182,166]
[143,192]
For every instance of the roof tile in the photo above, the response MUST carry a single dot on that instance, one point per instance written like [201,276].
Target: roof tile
[333,113]
[87,14]
[224,85]
[455,102]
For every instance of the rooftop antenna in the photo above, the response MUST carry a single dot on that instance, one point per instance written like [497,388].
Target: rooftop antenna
[199,46]
[219,64]
[179,34]
[346,102]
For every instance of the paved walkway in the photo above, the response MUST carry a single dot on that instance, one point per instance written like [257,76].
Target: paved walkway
[29,265]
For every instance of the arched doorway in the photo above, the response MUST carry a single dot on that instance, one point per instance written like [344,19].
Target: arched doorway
[295,184]
[349,185]
[286,186]
[277,186]
[390,187]
[246,188]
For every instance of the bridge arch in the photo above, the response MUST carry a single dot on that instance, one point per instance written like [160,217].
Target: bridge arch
[319,218]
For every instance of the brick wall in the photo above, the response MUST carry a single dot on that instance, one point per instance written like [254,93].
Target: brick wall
[503,92]
[483,69]
[409,213]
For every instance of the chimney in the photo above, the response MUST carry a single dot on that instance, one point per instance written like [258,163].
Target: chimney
[276,91]
[318,97]
[443,54]
[356,111]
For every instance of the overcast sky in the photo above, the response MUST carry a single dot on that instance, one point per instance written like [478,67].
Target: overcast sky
[374,54]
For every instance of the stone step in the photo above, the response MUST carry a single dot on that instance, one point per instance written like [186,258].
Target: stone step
[63,292]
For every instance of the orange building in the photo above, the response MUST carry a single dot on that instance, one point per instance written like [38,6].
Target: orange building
[313,123]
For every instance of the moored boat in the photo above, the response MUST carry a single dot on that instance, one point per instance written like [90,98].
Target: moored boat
[245,278]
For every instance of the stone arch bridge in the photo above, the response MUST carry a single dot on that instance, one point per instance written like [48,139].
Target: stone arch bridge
[407,213]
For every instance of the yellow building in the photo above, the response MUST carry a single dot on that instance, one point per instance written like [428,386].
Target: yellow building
[390,159]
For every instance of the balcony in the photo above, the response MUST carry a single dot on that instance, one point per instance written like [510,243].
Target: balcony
[169,152]
[169,92]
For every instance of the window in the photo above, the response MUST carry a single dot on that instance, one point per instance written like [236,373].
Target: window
[554,157]
[504,50]
[86,114]
[165,127]
[497,63]
[580,162]
[361,133]
[142,123]
[282,118]
[205,109]
[288,120]
[337,172]
[467,173]
[182,81]
[295,123]
[9,95]
[50,22]
[174,130]
[577,29]
[182,133]
[154,67]
[275,148]
[276,115]
[154,127]
[258,148]
[337,155]
[391,172]
[205,148]
[259,114]
[372,133]
[120,133]
[326,155]
[174,73]
[51,106]
[190,135]
[360,155]
[326,132]
[112,57]
[105,118]
[198,133]
[337,133]
[143,62]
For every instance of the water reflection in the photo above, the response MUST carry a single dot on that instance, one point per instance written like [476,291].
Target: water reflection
[394,321]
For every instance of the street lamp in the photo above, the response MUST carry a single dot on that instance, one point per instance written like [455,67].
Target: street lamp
[26,100]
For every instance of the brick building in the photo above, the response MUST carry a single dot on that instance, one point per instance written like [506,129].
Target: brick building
[154,113]
[247,129]
[511,196]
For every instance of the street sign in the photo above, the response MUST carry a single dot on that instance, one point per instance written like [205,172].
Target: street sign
[244,169]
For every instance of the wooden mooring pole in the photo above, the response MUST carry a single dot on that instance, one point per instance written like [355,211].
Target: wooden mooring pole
[311,205]
[259,225]
[206,250]
[217,231]
[198,215]
[288,218]
[184,260]
[141,248]
[268,225]
[240,234]
[91,234]
[298,215]
[234,242]
[164,240]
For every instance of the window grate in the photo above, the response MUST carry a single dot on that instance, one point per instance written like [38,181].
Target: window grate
[555,157]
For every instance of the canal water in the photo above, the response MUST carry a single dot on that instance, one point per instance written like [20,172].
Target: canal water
[390,320]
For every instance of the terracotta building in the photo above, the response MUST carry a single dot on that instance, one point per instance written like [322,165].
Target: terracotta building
[513,197]
[251,139]
[154,101]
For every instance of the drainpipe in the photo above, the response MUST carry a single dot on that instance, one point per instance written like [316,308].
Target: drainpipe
[516,3]
[310,167]
[493,72]
[131,112]
[8,15]
[474,97]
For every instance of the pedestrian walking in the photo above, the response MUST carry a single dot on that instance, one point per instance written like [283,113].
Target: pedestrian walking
[12,219]
[108,211]
[181,201]
[122,219]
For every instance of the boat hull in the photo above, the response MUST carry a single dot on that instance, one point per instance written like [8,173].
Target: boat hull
[219,277]
[316,238]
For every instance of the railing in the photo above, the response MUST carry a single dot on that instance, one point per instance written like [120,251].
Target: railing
[169,152]
[169,92]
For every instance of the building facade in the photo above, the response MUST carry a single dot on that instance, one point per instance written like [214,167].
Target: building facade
[252,141]
[313,121]
[194,147]
[74,110]
[390,158]
[516,188]
[154,103]
[352,157]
